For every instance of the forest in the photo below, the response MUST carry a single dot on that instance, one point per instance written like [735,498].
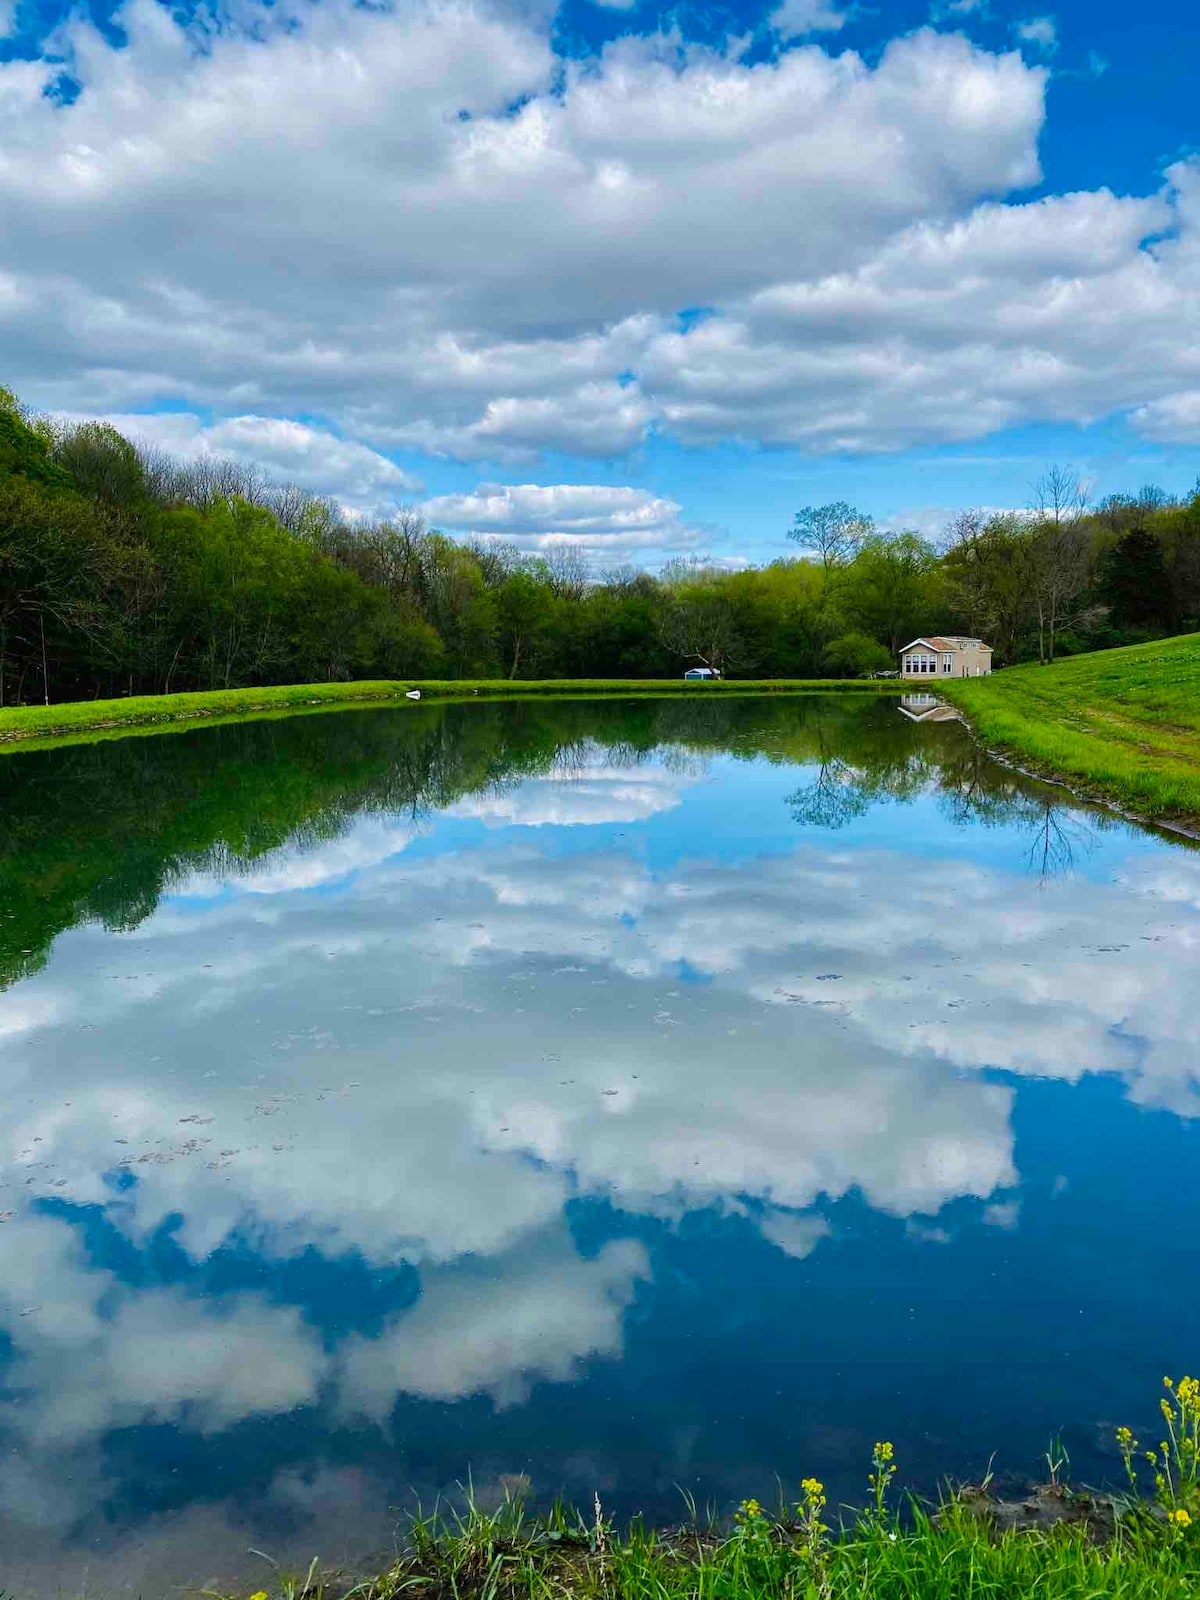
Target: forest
[126,571]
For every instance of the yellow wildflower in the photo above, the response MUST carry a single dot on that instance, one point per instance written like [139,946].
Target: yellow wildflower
[1182,1518]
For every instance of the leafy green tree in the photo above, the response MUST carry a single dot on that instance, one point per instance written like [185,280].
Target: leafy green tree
[24,450]
[101,463]
[524,611]
[893,590]
[1134,580]
[854,655]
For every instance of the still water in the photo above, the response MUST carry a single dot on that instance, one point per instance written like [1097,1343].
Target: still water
[626,1098]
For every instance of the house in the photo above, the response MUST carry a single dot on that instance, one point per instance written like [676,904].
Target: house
[700,675]
[950,657]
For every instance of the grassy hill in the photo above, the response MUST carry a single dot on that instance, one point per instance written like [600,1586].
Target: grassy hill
[1120,724]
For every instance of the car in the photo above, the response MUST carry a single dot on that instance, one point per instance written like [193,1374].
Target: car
[700,674]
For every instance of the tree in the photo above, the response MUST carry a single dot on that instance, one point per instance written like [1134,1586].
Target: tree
[1134,580]
[834,532]
[523,608]
[1061,556]
[854,655]
[985,566]
[567,570]
[697,619]
[101,463]
[892,588]
[24,449]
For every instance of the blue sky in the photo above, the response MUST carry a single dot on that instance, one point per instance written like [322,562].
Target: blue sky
[644,277]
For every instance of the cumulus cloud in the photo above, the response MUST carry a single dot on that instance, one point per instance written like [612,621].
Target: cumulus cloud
[361,479]
[952,330]
[339,156]
[423,226]
[1175,419]
[623,522]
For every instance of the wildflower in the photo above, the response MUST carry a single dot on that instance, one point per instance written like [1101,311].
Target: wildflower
[749,1511]
[259,1594]
[1182,1518]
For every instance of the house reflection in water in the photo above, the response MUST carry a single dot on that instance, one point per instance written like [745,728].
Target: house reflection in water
[927,708]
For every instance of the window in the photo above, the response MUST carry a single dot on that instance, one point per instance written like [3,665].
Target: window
[948,661]
[921,663]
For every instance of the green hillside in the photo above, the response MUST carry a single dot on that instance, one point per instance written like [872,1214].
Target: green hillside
[1120,724]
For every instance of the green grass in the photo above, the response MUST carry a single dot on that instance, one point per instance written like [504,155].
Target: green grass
[1119,725]
[55,722]
[956,1555]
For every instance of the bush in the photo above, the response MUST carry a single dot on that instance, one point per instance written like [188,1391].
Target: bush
[854,655]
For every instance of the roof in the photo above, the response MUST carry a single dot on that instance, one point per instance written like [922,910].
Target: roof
[950,642]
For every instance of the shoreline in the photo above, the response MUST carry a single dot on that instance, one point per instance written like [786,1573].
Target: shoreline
[57,723]
[1115,727]
[1057,1542]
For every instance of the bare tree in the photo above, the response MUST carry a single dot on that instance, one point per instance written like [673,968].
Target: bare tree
[1061,555]
[567,567]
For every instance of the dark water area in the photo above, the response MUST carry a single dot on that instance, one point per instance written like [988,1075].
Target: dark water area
[619,1098]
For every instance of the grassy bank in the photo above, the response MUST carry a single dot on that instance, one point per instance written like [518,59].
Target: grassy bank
[959,1555]
[1054,1543]
[88,716]
[1122,725]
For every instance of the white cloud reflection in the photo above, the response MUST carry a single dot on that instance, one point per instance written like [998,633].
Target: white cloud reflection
[429,1063]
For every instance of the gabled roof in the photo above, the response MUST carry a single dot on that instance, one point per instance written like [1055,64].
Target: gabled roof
[950,642]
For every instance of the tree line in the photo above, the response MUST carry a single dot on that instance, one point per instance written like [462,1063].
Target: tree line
[126,571]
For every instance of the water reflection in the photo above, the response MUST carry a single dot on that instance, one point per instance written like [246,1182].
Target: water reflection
[625,1096]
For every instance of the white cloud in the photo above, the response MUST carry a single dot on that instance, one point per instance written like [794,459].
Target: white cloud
[494,1333]
[796,1235]
[367,144]
[796,18]
[603,520]
[474,249]
[954,330]
[1040,32]
[578,795]
[1175,419]
[361,479]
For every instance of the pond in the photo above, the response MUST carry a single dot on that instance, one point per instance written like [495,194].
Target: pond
[632,1098]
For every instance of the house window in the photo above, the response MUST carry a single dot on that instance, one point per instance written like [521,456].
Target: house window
[948,661]
[922,663]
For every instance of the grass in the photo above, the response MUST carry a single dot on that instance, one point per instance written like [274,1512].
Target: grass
[956,1554]
[54,722]
[1056,1545]
[1118,725]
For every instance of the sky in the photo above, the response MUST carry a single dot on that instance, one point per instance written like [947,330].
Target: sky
[645,276]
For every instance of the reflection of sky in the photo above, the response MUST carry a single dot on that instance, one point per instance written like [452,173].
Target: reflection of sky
[446,1131]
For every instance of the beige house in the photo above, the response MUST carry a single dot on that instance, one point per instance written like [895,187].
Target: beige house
[939,657]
